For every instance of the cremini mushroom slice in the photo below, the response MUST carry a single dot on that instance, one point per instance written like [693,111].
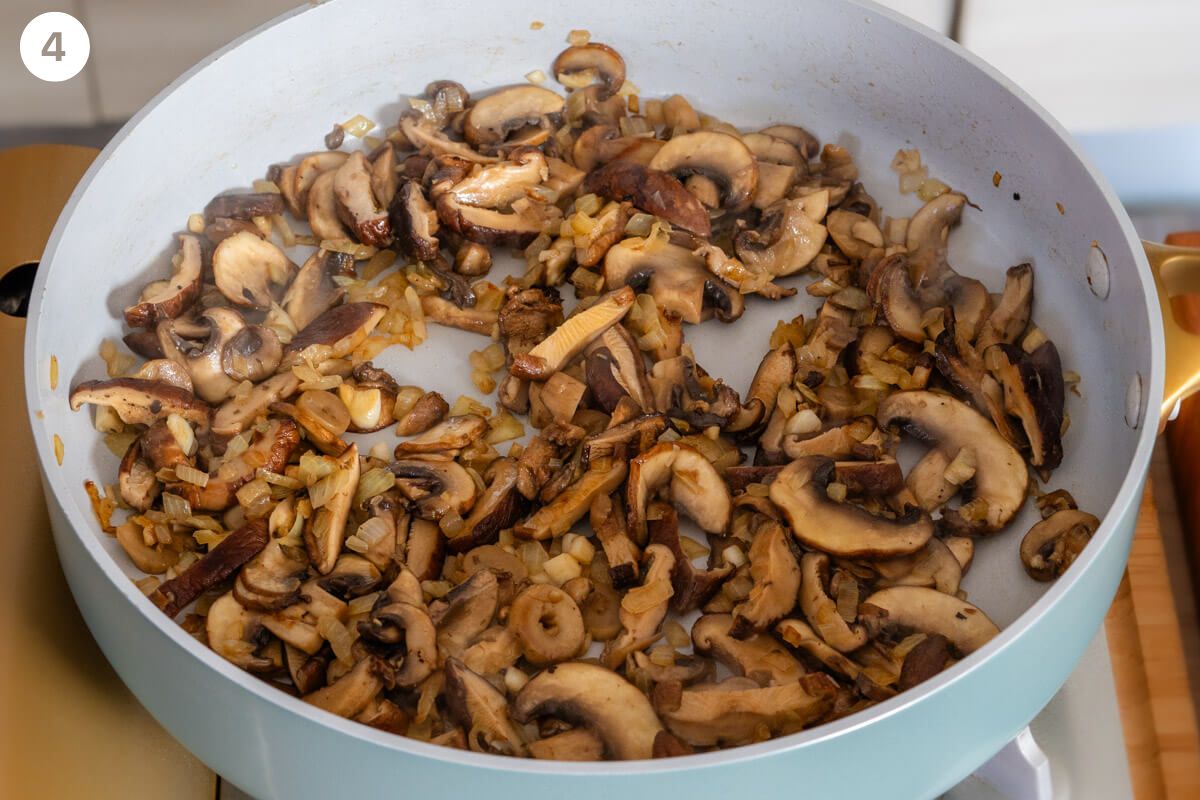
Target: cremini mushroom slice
[721,158]
[352,576]
[252,354]
[472,320]
[498,508]
[595,698]
[313,291]
[608,520]
[234,633]
[351,693]
[499,185]
[271,580]
[270,449]
[165,370]
[1035,394]
[201,353]
[429,139]
[582,64]
[1052,545]
[934,565]
[693,482]
[757,656]
[250,271]
[244,206]
[430,409]
[169,298]
[676,278]
[643,608]
[410,627]
[800,635]
[548,624]
[928,231]
[321,209]
[915,608]
[153,558]
[453,434]
[615,368]
[568,507]
[435,485]
[571,337]
[384,180]
[215,566]
[804,142]
[1001,478]
[841,529]
[325,530]
[1010,317]
[337,332]
[730,715]
[479,708]
[138,484]
[494,651]
[522,115]
[625,440]
[238,413]
[854,234]
[308,170]
[837,442]
[415,222]
[897,299]
[971,303]
[142,402]
[576,744]
[297,624]
[693,587]
[821,610]
[776,578]
[356,202]
[652,191]
[466,612]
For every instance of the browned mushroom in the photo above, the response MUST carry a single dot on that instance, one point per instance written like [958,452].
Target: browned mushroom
[721,158]
[651,190]
[757,656]
[522,115]
[479,708]
[215,566]
[142,402]
[356,202]
[168,299]
[694,484]
[730,713]
[643,608]
[581,64]
[776,578]
[676,278]
[548,624]
[1052,545]
[249,270]
[570,338]
[337,331]
[415,222]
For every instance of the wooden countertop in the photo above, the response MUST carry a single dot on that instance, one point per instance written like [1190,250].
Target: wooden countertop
[1157,711]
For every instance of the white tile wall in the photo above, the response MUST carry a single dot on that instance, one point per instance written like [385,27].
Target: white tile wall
[27,100]
[1096,64]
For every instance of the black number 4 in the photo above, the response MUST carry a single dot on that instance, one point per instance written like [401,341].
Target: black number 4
[55,40]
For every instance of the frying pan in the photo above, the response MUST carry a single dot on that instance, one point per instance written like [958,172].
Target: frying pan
[851,72]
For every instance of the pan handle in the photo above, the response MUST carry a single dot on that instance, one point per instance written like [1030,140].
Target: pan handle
[39,180]
[1176,269]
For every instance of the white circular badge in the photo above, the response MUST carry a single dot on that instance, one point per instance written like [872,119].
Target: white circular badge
[55,46]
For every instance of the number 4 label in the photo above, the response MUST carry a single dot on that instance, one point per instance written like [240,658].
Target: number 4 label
[55,46]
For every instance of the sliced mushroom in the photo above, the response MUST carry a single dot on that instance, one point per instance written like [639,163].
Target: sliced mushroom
[571,337]
[422,133]
[1010,317]
[652,191]
[820,609]
[142,402]
[428,411]
[321,209]
[615,368]
[352,692]
[337,331]
[238,413]
[675,277]
[798,634]
[435,485]
[235,633]
[854,234]
[804,142]
[168,299]
[522,115]
[494,651]
[915,608]
[466,612]
[729,714]
[758,656]
[296,625]
[576,744]
[352,576]
[643,609]
[928,231]
[721,158]
[692,587]
[557,516]
[1001,478]
[252,354]
[934,565]
[453,434]
[308,170]
[313,291]
[597,699]
[271,580]
[608,520]
[269,449]
[841,529]
[479,708]
[592,61]
[409,627]
[1035,394]
[776,578]
[137,482]
[693,482]
[154,558]
[424,553]
[414,222]
[971,303]
[356,202]
[244,206]
[1052,545]
[498,508]
[215,566]
[248,270]
[897,299]
[548,624]
[325,530]
[499,185]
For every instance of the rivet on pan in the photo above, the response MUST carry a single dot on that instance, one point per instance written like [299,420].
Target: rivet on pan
[1097,271]
[1133,402]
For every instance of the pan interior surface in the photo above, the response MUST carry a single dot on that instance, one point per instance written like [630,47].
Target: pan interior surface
[852,75]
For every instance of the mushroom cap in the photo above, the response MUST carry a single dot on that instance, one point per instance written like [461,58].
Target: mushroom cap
[142,402]
[312,291]
[930,611]
[653,191]
[841,529]
[605,62]
[252,354]
[246,267]
[435,485]
[352,692]
[695,487]
[1035,393]
[480,708]
[596,698]
[758,656]
[356,202]
[926,238]
[1048,534]
[675,277]
[498,508]
[1001,477]
[168,299]
[820,609]
[466,612]
[789,236]
[731,714]
[493,119]
[722,158]
[341,329]
[454,433]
